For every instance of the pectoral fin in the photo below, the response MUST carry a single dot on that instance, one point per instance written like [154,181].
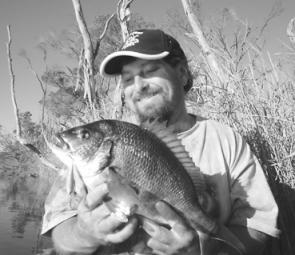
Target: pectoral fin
[103,155]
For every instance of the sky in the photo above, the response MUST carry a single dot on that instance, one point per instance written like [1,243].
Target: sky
[32,20]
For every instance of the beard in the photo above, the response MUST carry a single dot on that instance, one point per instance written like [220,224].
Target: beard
[160,112]
[161,115]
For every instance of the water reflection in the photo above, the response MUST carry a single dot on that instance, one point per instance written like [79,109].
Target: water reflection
[21,209]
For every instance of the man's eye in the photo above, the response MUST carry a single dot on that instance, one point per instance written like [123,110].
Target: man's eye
[150,70]
[127,80]
[83,134]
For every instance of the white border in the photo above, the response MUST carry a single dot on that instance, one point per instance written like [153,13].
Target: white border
[130,54]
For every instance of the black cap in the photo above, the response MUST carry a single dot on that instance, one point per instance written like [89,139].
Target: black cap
[149,44]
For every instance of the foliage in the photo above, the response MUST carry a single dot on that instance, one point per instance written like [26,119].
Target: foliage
[65,104]
[258,97]
[25,181]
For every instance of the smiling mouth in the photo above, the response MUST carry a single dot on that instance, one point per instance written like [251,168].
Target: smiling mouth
[143,96]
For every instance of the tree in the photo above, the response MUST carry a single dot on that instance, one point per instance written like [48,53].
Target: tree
[199,36]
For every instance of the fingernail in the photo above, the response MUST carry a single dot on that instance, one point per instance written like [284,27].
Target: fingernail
[149,227]
[161,206]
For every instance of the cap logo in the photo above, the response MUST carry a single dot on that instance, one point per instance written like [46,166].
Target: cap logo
[132,39]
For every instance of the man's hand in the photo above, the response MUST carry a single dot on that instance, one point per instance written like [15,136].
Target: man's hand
[180,239]
[94,226]
[99,223]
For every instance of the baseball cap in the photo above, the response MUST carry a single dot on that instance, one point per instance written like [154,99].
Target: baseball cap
[149,44]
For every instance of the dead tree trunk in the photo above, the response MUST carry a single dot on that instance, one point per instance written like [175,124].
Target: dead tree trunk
[88,55]
[124,14]
[88,63]
[19,135]
[199,36]
[13,97]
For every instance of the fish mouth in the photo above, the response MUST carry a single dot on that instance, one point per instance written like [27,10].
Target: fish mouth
[61,143]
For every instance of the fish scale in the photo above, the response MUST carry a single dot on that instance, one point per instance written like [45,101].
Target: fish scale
[162,158]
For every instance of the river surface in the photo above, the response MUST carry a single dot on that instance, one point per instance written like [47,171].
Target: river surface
[19,230]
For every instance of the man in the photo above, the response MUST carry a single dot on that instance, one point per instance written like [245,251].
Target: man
[155,77]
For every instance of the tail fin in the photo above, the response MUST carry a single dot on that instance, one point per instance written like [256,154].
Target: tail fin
[224,235]
[208,228]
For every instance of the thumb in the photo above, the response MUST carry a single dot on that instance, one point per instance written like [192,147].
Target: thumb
[96,196]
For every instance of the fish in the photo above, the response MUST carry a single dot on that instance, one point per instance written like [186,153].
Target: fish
[142,166]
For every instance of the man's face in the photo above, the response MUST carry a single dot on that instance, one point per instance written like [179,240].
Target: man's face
[153,89]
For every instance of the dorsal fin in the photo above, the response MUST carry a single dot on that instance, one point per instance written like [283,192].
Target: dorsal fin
[175,145]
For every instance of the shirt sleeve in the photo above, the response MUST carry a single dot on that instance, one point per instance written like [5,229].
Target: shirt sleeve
[253,204]
[59,205]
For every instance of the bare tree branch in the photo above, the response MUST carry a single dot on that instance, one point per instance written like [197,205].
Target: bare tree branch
[12,86]
[276,10]
[102,35]
[118,101]
[106,26]
[44,90]
[23,54]
[89,81]
[291,31]
[79,70]
[123,15]
[199,36]
[19,137]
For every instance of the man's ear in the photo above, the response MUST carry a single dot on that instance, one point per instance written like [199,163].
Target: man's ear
[183,73]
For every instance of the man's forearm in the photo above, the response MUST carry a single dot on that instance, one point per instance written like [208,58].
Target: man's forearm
[68,240]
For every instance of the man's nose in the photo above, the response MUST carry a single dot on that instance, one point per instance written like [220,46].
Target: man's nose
[140,83]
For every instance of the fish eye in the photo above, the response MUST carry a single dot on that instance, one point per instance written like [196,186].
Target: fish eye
[83,134]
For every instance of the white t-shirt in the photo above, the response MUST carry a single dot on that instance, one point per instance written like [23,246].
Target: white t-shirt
[234,173]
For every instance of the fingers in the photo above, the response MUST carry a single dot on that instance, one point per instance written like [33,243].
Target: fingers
[158,247]
[169,241]
[100,212]
[158,233]
[96,196]
[180,230]
[124,233]
[109,224]
[99,178]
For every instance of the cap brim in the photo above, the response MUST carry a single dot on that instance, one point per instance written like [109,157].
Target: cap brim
[111,65]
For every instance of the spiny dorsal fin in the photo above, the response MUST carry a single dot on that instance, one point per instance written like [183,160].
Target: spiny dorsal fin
[175,145]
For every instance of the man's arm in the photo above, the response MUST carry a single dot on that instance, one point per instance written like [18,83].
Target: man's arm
[181,239]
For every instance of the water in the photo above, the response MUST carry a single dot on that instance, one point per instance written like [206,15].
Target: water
[19,229]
